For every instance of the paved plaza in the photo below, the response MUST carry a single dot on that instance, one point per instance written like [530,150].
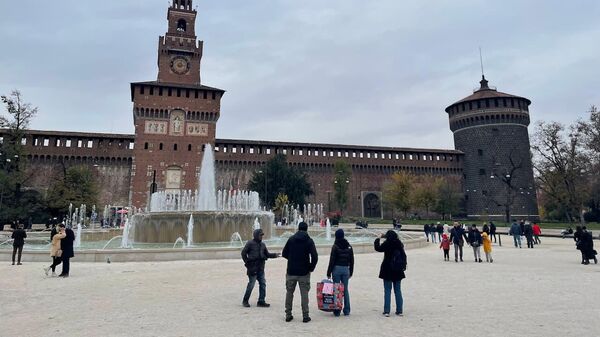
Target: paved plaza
[525,292]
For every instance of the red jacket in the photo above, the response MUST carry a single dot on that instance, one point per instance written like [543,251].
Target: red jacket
[445,242]
[536,229]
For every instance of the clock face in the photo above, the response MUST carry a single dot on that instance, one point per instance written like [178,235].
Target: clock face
[180,65]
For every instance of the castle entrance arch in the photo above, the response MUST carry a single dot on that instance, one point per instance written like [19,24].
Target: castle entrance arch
[371,205]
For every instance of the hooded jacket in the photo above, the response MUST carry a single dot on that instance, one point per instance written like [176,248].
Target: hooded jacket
[341,255]
[515,229]
[255,253]
[457,234]
[487,243]
[301,253]
[388,247]
[19,236]
[66,244]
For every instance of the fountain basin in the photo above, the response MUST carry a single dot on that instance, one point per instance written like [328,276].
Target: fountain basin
[209,226]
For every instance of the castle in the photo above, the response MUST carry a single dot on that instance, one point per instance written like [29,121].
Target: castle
[175,115]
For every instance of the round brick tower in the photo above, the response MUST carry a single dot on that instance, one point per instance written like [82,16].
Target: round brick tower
[490,128]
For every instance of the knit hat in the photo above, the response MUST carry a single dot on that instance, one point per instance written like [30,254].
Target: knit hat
[339,234]
[303,226]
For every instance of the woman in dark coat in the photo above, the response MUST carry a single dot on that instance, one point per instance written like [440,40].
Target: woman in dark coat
[341,266]
[66,245]
[586,245]
[389,271]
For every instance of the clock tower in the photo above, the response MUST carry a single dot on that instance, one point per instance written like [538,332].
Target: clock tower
[174,116]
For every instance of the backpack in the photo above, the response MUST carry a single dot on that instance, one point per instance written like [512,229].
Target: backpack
[398,261]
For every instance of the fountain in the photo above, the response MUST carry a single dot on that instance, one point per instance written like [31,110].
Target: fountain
[217,213]
[256,224]
[328,230]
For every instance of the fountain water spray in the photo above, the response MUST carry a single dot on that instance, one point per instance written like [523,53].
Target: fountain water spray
[207,201]
[179,240]
[256,224]
[125,239]
[328,230]
[190,232]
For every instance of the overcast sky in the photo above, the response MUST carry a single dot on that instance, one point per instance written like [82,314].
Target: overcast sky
[337,71]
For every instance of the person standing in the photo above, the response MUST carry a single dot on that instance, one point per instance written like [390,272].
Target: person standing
[391,270]
[487,247]
[302,257]
[426,231]
[55,251]
[457,233]
[66,245]
[528,234]
[445,245]
[492,231]
[475,240]
[515,231]
[254,255]
[341,266]
[18,236]
[440,230]
[537,231]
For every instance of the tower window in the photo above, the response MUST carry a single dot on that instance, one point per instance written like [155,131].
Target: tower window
[178,92]
[174,147]
[487,103]
[170,92]
[160,146]
[205,96]
[189,147]
[146,146]
[480,152]
[181,25]
[160,91]
[481,172]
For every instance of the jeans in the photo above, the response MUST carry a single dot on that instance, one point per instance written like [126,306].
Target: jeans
[290,286]
[20,250]
[477,252]
[387,292]
[458,248]
[517,240]
[536,239]
[342,274]
[262,286]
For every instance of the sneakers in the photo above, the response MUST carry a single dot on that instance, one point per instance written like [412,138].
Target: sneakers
[63,275]
[53,274]
[245,304]
[19,263]
[262,304]
[289,318]
[306,319]
[386,314]
[399,314]
[46,270]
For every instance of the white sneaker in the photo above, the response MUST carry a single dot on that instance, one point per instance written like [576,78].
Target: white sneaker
[53,274]
[46,270]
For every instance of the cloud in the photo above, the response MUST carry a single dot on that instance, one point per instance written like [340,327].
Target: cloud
[341,71]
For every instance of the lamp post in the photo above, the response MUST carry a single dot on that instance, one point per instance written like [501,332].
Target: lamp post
[265,176]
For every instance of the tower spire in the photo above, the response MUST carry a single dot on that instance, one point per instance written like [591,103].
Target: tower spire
[483,82]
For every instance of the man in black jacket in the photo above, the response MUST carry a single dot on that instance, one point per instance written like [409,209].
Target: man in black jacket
[301,253]
[456,237]
[18,236]
[254,254]
[66,245]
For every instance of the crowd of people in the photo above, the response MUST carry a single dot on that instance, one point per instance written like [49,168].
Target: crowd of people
[302,258]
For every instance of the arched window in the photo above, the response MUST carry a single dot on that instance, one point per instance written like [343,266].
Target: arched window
[181,25]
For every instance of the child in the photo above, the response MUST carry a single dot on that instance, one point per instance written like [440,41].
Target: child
[487,247]
[446,246]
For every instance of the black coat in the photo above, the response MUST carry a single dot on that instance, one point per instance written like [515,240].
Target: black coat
[388,247]
[66,244]
[18,236]
[456,236]
[301,253]
[475,238]
[586,245]
[254,254]
[341,255]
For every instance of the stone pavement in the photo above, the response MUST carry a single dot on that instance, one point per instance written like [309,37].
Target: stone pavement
[525,292]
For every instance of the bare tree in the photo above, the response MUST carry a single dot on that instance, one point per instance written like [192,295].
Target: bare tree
[561,165]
